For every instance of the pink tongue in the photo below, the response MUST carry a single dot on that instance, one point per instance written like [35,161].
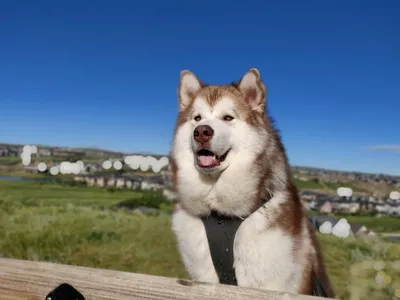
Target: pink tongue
[206,161]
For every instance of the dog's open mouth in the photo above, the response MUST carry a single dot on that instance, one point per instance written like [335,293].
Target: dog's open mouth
[207,158]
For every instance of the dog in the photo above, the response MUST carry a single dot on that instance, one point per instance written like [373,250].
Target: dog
[227,158]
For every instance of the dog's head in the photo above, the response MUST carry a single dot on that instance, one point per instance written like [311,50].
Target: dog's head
[216,123]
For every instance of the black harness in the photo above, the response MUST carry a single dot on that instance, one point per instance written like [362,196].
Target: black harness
[221,230]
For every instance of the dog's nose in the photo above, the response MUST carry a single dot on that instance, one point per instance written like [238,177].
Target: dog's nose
[203,133]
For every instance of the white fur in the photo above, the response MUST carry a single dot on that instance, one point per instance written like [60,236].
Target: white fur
[193,246]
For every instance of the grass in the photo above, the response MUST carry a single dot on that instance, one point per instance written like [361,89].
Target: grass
[310,184]
[307,184]
[77,225]
[343,257]
[384,224]
[21,173]
[9,160]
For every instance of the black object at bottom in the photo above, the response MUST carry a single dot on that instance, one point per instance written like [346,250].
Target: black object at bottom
[64,292]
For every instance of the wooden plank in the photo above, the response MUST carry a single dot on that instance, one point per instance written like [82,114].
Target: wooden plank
[31,280]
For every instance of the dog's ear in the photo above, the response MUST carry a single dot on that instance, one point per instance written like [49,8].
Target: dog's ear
[189,85]
[253,90]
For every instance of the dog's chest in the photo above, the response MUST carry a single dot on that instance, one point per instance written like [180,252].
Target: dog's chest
[260,257]
[231,194]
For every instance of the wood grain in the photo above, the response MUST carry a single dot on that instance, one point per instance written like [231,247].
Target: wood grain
[31,280]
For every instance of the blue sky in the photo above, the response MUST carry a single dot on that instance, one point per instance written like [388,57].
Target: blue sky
[104,74]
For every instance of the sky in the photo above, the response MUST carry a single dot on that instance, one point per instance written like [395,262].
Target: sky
[105,74]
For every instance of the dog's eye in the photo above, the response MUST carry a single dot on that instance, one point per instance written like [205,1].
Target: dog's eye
[197,118]
[228,118]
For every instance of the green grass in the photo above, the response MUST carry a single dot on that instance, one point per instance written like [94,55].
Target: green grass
[46,194]
[59,194]
[307,184]
[9,160]
[384,224]
[312,185]
[20,173]
[343,257]
[77,225]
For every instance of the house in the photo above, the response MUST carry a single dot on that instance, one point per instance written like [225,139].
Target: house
[136,185]
[353,207]
[341,206]
[79,178]
[394,209]
[91,168]
[128,183]
[4,151]
[133,181]
[309,204]
[169,195]
[9,151]
[326,207]
[44,152]
[358,229]
[153,183]
[120,182]
[111,182]
[91,181]
[100,181]
[388,209]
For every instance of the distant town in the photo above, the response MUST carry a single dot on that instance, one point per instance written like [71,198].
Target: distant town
[372,194]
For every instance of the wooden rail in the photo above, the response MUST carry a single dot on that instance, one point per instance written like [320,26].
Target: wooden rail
[30,280]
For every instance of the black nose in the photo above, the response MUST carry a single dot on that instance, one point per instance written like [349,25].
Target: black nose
[203,133]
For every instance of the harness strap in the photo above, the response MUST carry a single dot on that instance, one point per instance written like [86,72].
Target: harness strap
[221,231]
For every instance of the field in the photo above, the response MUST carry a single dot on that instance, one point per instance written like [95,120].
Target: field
[384,224]
[78,225]
[326,187]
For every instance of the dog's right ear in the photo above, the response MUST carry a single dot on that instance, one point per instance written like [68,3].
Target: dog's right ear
[189,85]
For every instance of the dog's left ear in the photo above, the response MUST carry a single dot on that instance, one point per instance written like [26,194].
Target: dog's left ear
[253,90]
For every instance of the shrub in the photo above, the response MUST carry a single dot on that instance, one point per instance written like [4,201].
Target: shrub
[151,199]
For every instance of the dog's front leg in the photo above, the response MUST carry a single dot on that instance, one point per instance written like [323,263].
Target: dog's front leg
[263,253]
[193,246]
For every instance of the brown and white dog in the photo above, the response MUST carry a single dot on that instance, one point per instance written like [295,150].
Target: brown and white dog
[226,156]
